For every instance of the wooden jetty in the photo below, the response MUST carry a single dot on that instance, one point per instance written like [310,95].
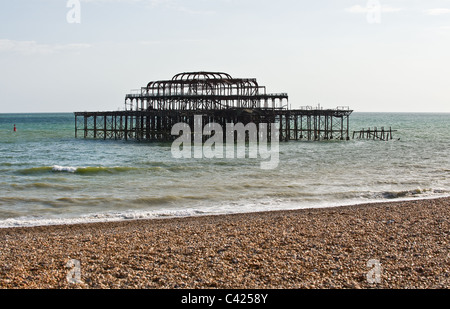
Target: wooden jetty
[152,111]
[375,133]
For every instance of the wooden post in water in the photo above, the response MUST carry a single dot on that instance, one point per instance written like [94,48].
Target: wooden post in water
[76,126]
[85,126]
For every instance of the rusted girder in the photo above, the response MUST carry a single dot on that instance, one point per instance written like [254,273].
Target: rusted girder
[203,91]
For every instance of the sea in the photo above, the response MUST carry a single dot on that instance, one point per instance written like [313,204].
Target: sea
[48,177]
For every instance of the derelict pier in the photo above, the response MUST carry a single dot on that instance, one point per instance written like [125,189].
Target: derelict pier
[152,111]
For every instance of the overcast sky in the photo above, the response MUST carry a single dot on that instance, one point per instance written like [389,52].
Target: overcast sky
[373,56]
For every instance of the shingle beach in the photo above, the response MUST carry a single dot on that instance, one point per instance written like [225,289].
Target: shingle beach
[385,245]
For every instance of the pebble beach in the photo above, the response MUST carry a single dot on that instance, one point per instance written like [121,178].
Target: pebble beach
[384,245]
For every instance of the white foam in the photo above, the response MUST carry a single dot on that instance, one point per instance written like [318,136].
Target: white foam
[220,209]
[68,169]
[96,218]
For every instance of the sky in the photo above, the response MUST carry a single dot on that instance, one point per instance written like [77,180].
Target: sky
[86,55]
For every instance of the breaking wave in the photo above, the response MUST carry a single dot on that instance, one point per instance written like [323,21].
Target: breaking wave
[75,170]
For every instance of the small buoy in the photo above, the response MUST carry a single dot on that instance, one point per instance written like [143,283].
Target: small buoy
[15,130]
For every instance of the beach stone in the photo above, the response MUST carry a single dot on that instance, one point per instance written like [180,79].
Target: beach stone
[313,248]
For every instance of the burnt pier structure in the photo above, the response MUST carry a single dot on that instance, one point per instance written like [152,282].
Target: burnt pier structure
[151,112]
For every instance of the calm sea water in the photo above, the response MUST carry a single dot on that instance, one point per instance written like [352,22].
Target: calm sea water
[49,177]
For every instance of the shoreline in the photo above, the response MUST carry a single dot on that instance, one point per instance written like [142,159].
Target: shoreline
[283,249]
[77,221]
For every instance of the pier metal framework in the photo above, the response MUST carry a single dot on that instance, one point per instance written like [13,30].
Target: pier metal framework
[151,112]
[203,91]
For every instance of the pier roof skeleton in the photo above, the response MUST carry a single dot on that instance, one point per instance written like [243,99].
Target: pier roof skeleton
[204,91]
